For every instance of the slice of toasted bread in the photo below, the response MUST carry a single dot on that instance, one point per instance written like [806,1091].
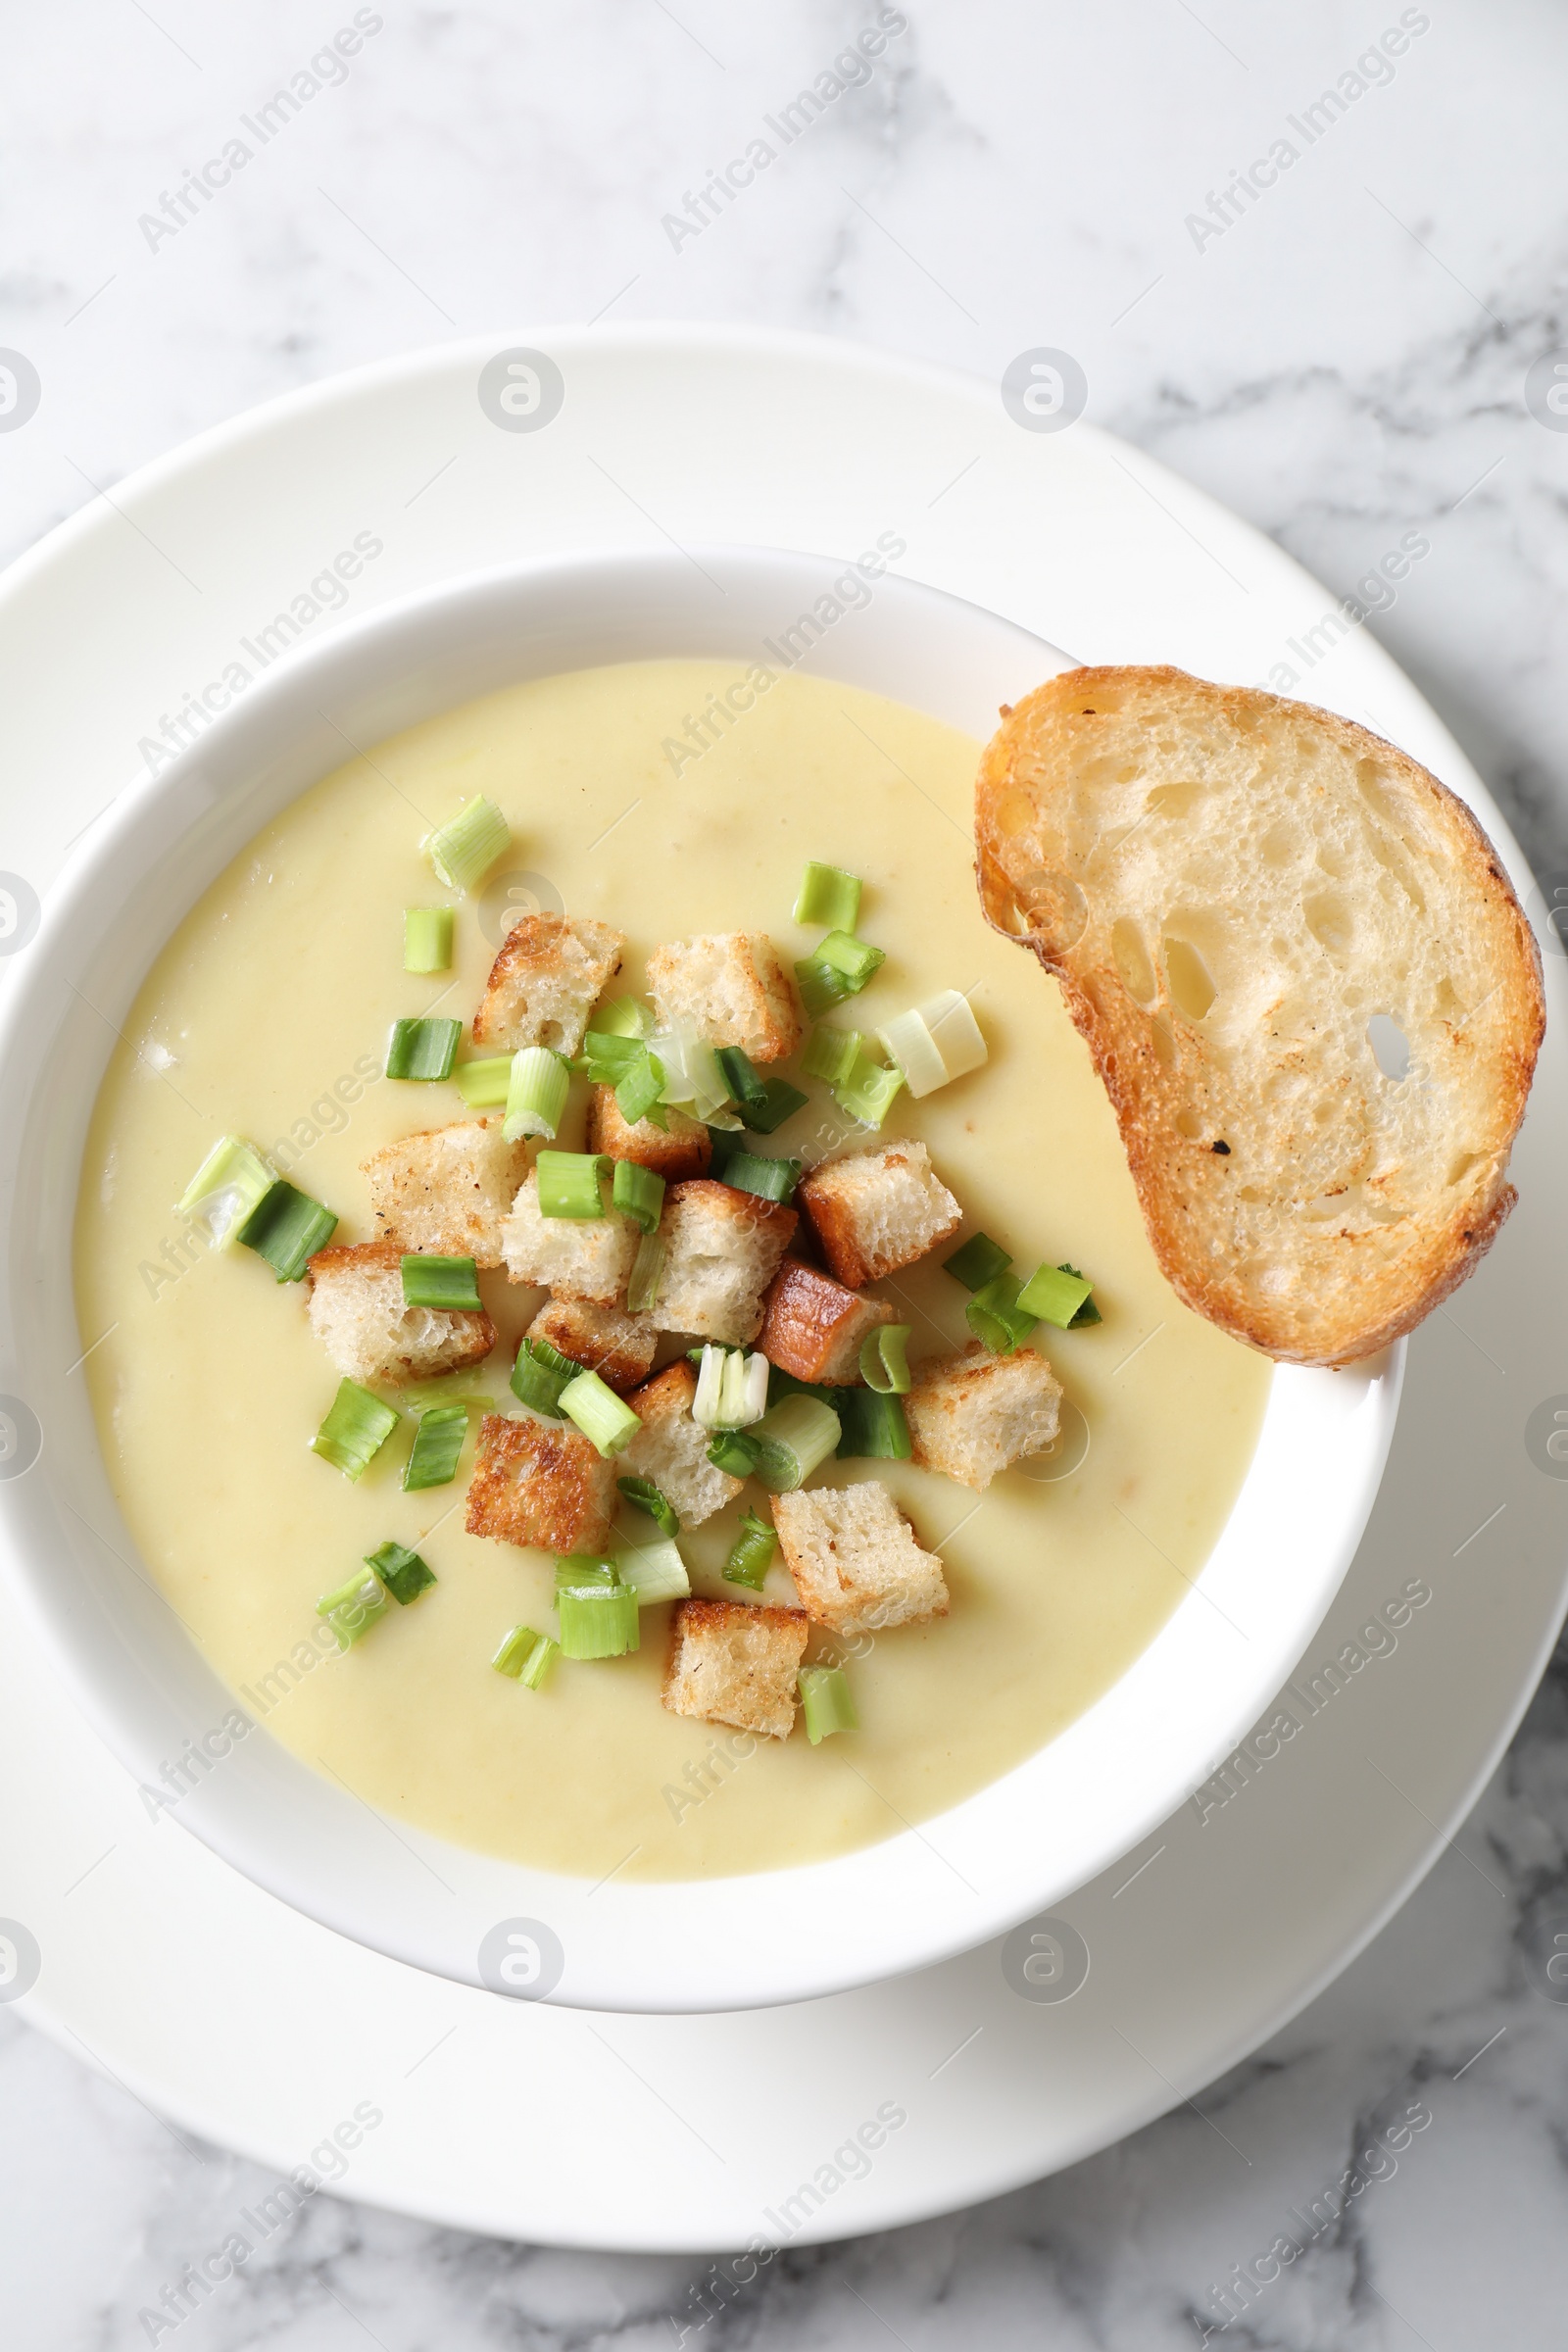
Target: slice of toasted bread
[1231,888]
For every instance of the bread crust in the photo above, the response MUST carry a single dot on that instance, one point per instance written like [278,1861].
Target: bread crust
[1340,1291]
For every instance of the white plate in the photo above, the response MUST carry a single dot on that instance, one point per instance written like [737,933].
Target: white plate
[208,1998]
[744,1941]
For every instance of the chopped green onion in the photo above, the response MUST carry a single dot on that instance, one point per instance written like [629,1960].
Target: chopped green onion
[536,1093]
[726,1143]
[584,1570]
[639,1193]
[781,1101]
[851,957]
[978,1262]
[995,1315]
[735,1451]
[232,1183]
[623,1016]
[731,1388]
[792,1438]
[598,1413]
[484,1085]
[821,985]
[753,1553]
[451,1285]
[646,1497]
[693,1078]
[832,1053]
[287,1228]
[768,1179]
[598,1622]
[746,1086]
[1055,1294]
[781,1384]
[357,1427]
[464,849]
[639,1095]
[353,1609]
[828,894]
[1089,1312]
[872,1426]
[605,1055]
[937,1042]
[404,1575]
[867,1093]
[884,1364]
[438,1439]
[427,938]
[568,1184]
[653,1572]
[826,1705]
[422,1049]
[540,1374]
[526,1656]
[647,1271]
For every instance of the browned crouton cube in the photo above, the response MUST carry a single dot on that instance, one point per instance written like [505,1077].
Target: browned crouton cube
[684,1148]
[447,1190]
[734,1664]
[671,1449]
[854,1559]
[618,1346]
[575,1257]
[721,1251]
[814,1327]
[357,1312]
[544,983]
[731,989]
[875,1211]
[973,1414]
[542,1483]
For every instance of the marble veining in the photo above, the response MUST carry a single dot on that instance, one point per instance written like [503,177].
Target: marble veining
[1346,361]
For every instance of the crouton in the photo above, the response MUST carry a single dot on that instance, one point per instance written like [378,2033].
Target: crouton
[540,1483]
[357,1312]
[575,1257]
[685,1148]
[854,1559]
[544,983]
[875,1211]
[671,1449]
[731,989]
[814,1327]
[721,1251]
[735,1664]
[446,1188]
[617,1346]
[973,1414]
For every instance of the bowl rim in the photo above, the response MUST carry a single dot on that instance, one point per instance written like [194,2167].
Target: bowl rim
[186,793]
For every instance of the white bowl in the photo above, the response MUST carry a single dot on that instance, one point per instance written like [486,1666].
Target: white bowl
[1010,1851]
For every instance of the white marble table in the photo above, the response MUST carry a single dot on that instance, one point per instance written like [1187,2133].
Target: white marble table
[1337,345]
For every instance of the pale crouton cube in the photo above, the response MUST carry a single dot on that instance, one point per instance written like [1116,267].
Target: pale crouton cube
[545,982]
[617,1346]
[731,989]
[721,1251]
[684,1148]
[854,1559]
[447,1190]
[734,1664]
[973,1414]
[540,1483]
[814,1328]
[671,1449]
[875,1211]
[575,1257]
[357,1312]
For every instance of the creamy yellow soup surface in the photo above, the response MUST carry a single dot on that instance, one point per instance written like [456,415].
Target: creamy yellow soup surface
[267,1015]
